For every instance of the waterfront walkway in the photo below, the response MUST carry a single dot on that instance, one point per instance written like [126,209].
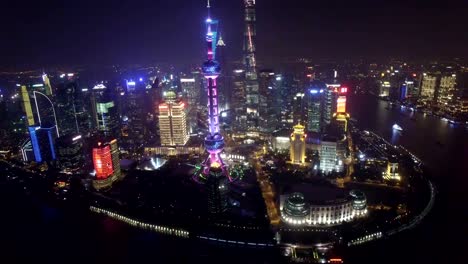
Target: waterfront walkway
[156,228]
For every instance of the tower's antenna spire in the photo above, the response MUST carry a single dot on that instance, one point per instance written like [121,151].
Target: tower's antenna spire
[208,19]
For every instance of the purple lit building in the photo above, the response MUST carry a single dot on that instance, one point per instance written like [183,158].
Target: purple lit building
[214,141]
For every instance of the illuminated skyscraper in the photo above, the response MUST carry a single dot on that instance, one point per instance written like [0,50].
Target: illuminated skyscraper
[214,141]
[428,87]
[107,118]
[405,87]
[135,108]
[447,89]
[269,106]
[238,92]
[341,101]
[33,134]
[106,111]
[155,97]
[314,109]
[70,152]
[106,163]
[173,121]
[299,105]
[48,87]
[298,145]
[27,105]
[43,142]
[329,104]
[69,106]
[249,35]
[457,106]
[384,90]
[328,155]
[340,117]
[190,91]
[45,110]
[251,79]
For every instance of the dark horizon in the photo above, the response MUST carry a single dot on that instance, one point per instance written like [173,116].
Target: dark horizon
[131,32]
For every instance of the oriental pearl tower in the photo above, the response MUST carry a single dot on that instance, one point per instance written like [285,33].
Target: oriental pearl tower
[214,141]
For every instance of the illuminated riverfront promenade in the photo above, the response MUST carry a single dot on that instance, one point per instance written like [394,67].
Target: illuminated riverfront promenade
[156,228]
[171,231]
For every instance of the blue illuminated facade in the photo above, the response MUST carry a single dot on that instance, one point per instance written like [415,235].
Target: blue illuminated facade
[43,142]
[35,142]
[49,144]
[211,68]
[214,143]
[403,92]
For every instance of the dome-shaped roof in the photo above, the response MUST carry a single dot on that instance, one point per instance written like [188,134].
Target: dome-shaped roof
[296,206]
[170,96]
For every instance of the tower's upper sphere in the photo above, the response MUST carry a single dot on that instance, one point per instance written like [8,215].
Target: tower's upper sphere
[211,67]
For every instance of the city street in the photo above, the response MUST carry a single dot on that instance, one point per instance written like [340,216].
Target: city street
[267,190]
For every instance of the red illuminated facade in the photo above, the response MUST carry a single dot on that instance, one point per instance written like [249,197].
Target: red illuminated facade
[102,159]
[341,101]
[340,116]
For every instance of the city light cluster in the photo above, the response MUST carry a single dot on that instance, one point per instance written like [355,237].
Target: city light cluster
[156,228]
[364,239]
[323,220]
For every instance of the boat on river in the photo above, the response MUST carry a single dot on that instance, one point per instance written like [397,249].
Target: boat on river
[397,127]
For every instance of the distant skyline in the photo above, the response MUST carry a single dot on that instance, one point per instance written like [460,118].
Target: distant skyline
[170,31]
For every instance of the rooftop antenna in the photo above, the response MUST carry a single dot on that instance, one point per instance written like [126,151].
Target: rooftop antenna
[208,19]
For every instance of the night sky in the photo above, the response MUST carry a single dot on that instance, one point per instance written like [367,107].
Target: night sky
[46,33]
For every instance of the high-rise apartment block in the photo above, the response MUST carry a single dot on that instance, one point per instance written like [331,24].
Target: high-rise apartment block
[173,121]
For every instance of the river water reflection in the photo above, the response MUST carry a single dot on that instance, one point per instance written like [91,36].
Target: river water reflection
[443,147]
